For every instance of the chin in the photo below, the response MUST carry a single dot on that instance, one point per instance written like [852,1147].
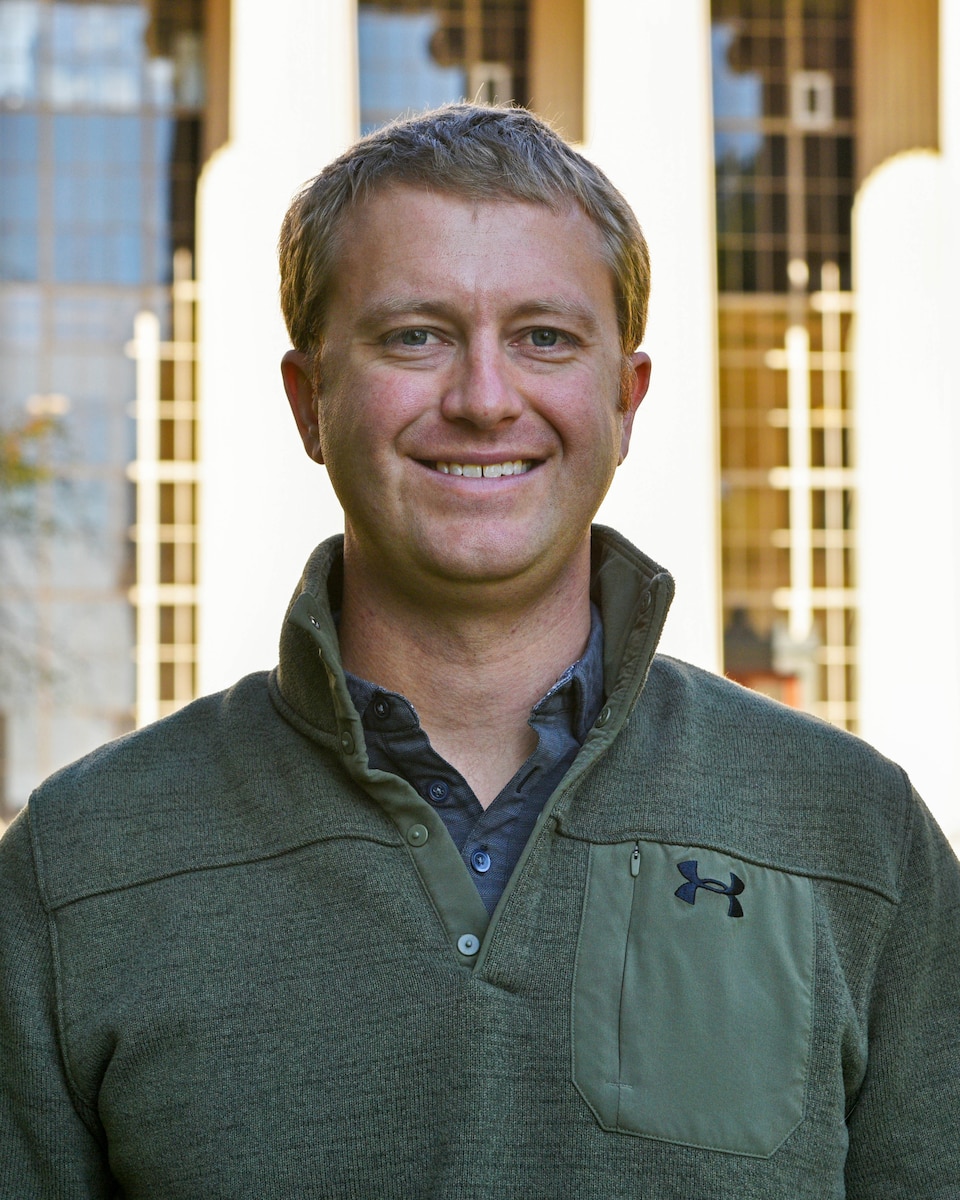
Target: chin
[499,563]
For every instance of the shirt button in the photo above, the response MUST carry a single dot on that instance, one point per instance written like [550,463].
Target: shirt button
[417,835]
[346,742]
[469,944]
[480,861]
[438,791]
[381,708]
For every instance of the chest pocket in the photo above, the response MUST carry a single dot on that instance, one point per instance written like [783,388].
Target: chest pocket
[692,997]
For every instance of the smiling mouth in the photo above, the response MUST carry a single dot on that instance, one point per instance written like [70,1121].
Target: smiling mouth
[485,471]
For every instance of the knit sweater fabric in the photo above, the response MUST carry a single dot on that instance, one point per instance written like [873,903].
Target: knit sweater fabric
[236,962]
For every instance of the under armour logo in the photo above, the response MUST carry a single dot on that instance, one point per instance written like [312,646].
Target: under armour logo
[688,891]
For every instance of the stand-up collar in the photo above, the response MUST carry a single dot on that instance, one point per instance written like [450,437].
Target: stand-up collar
[631,591]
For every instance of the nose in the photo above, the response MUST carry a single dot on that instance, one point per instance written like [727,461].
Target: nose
[482,392]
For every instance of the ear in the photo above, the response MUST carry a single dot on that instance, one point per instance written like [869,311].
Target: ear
[298,384]
[636,380]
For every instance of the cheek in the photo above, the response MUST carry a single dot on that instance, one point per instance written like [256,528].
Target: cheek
[337,431]
[361,417]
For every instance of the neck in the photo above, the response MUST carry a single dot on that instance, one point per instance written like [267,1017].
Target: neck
[472,669]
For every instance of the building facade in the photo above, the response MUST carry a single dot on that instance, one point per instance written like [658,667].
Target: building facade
[101,128]
[793,163]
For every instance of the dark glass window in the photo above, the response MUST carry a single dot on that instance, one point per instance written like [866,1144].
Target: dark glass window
[415,55]
[783,108]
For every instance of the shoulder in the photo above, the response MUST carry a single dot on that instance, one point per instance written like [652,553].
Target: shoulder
[736,769]
[707,712]
[176,794]
[164,758]
[717,698]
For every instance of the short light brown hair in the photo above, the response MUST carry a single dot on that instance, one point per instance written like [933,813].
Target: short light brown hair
[468,150]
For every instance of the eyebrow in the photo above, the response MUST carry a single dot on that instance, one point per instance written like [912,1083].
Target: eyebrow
[558,307]
[401,306]
[391,307]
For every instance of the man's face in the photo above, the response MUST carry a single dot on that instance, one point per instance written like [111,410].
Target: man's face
[468,398]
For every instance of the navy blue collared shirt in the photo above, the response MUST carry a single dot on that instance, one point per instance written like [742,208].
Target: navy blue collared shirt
[489,840]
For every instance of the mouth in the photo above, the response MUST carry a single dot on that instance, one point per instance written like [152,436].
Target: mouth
[485,470]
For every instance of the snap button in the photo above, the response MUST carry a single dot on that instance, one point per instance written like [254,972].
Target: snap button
[480,861]
[468,944]
[381,708]
[417,835]
[346,742]
[314,622]
[603,716]
[438,791]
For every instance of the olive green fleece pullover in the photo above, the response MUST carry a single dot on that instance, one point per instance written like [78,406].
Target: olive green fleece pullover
[236,963]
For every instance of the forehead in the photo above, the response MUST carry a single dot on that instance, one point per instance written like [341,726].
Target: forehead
[407,239]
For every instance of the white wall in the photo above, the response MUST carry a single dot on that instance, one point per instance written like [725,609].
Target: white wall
[265,505]
[908,447]
[649,126]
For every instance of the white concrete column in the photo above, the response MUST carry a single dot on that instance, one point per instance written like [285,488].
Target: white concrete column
[264,504]
[649,126]
[950,316]
[145,348]
[907,453]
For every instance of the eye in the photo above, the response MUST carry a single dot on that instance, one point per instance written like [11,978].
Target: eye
[544,338]
[413,337]
[404,340]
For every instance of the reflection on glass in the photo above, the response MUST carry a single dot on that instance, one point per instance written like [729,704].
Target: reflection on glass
[397,71]
[19,32]
[735,93]
[97,55]
[19,197]
[20,321]
[736,153]
[111,199]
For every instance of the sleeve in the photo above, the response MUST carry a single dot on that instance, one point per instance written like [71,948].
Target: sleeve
[46,1147]
[905,1128]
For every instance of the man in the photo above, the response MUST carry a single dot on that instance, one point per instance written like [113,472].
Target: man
[474,896]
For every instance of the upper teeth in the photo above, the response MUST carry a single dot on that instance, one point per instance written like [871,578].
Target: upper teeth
[491,471]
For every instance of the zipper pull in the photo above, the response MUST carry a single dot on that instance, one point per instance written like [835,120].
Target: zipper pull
[635,860]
